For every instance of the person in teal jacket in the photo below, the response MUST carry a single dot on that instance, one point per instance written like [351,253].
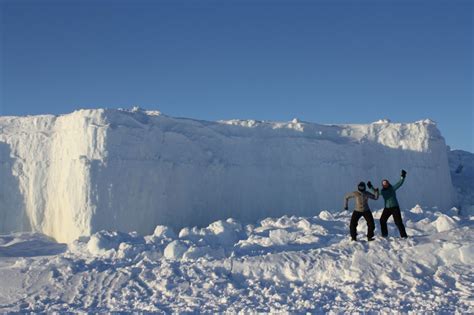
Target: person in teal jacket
[391,206]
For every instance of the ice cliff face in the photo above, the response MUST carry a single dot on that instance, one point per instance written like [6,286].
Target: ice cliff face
[75,174]
[45,173]
[461,164]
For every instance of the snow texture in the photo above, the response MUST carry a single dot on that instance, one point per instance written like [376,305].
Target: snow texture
[281,264]
[91,170]
[461,164]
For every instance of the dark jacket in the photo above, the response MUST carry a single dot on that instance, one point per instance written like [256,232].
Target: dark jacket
[389,195]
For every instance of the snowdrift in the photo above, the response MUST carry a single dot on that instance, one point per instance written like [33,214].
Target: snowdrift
[283,264]
[76,174]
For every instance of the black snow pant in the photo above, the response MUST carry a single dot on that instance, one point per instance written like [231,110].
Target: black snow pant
[370,223]
[397,217]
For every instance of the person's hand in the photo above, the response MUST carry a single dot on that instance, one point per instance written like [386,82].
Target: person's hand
[404,173]
[369,184]
[346,208]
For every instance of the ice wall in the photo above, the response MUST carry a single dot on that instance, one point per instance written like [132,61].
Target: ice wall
[131,170]
[461,165]
[44,172]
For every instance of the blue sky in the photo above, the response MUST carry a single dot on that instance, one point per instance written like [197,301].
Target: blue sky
[320,61]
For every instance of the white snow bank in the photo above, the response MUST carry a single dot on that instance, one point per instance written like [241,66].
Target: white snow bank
[283,264]
[461,164]
[175,250]
[444,223]
[162,231]
[417,209]
[226,238]
[91,170]
[107,242]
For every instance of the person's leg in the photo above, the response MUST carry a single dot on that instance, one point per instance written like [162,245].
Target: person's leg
[370,224]
[386,213]
[353,226]
[397,217]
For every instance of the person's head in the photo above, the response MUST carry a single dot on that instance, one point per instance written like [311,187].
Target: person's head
[361,186]
[385,183]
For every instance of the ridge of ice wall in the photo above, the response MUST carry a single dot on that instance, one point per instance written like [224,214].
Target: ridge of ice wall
[76,174]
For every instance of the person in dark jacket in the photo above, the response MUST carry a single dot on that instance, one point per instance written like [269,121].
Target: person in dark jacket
[392,207]
[362,209]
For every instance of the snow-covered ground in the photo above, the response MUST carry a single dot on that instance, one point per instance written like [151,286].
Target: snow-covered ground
[280,264]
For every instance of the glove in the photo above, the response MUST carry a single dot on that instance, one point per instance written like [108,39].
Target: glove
[369,184]
[404,173]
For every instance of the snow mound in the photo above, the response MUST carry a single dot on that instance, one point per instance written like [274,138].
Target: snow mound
[225,232]
[326,215]
[444,223]
[281,237]
[162,231]
[417,209]
[217,233]
[100,243]
[107,242]
[175,250]
[131,170]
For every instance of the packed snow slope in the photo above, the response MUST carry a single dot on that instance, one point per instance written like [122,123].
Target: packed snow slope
[291,263]
[461,164]
[76,174]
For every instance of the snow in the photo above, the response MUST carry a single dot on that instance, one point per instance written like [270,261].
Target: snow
[461,164]
[175,250]
[382,121]
[162,231]
[280,264]
[92,170]
[106,242]
[417,209]
[444,223]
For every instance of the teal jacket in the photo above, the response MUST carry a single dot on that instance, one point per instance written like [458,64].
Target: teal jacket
[389,195]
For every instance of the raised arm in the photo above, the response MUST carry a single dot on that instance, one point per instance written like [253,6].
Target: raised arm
[375,195]
[346,199]
[400,183]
